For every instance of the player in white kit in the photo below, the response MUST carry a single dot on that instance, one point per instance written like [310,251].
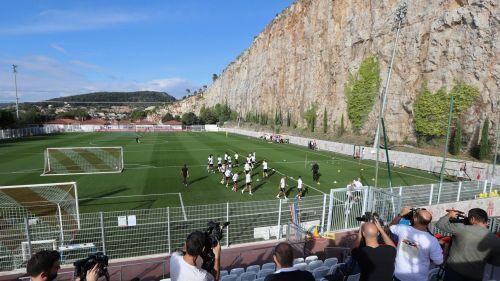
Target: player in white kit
[299,187]
[282,187]
[264,169]
[248,184]
[235,181]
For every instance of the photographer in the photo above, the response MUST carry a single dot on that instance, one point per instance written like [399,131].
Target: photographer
[472,244]
[183,264]
[417,247]
[376,261]
[43,266]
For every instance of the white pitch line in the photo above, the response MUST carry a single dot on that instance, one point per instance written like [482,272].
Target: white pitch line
[182,206]
[296,180]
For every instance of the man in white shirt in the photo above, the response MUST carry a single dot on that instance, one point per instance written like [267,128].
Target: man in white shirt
[235,181]
[357,183]
[248,183]
[247,168]
[227,173]
[264,169]
[417,248]
[299,187]
[219,163]
[236,161]
[183,263]
[282,187]
[210,165]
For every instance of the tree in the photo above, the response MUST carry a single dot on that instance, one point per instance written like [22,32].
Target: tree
[168,117]
[189,118]
[214,77]
[361,90]
[137,114]
[208,116]
[484,147]
[288,119]
[310,116]
[456,140]
[325,121]
[342,126]
[7,119]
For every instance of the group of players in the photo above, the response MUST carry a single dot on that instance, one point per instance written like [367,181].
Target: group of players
[225,167]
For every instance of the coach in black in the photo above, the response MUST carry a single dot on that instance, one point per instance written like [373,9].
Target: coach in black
[283,257]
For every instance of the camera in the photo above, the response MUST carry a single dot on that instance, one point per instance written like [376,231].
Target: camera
[84,265]
[213,234]
[411,214]
[368,217]
[461,218]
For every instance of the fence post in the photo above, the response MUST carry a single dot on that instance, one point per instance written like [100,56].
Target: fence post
[439,192]
[432,194]
[330,212]
[459,190]
[168,229]
[61,230]
[485,185]
[28,235]
[279,220]
[365,199]
[103,237]
[227,227]
[323,214]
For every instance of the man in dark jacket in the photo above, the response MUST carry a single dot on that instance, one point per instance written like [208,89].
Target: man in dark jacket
[283,257]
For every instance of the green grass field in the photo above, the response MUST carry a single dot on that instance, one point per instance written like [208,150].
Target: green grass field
[153,167]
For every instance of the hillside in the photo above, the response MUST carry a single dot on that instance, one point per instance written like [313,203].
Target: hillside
[306,55]
[119,97]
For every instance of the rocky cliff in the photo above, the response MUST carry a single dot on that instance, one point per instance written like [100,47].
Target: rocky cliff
[306,53]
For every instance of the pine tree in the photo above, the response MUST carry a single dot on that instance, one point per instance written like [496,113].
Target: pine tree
[342,126]
[325,121]
[288,119]
[484,147]
[456,141]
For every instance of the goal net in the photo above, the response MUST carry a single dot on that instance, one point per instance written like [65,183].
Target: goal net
[82,160]
[39,200]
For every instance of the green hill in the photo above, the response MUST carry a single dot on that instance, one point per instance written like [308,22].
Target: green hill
[118,97]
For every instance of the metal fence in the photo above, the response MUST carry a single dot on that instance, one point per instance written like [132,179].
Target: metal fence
[26,132]
[133,233]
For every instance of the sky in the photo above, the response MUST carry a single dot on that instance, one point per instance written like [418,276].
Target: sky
[71,47]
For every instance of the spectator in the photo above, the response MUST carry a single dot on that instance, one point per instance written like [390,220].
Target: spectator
[43,266]
[417,247]
[283,257]
[376,261]
[183,264]
[472,246]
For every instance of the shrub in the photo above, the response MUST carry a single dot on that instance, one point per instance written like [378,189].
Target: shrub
[361,90]
[484,147]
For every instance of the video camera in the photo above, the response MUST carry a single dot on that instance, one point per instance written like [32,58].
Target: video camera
[84,265]
[368,217]
[213,234]
[461,218]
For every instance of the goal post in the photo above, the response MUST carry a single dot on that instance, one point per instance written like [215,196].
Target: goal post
[83,160]
[33,201]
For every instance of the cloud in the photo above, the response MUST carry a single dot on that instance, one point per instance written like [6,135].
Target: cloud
[41,78]
[83,64]
[52,21]
[59,48]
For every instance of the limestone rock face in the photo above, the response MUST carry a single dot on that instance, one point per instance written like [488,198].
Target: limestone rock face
[306,53]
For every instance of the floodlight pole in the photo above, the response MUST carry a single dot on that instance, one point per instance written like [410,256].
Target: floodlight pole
[14,69]
[400,16]
[446,146]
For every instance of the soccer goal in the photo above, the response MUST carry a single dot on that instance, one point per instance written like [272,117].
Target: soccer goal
[82,160]
[35,201]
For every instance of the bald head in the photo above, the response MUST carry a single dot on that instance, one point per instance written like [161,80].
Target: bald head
[369,230]
[424,217]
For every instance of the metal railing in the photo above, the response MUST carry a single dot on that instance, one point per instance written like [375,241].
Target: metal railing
[132,233]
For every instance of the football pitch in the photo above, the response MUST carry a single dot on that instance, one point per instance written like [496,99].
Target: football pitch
[152,172]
